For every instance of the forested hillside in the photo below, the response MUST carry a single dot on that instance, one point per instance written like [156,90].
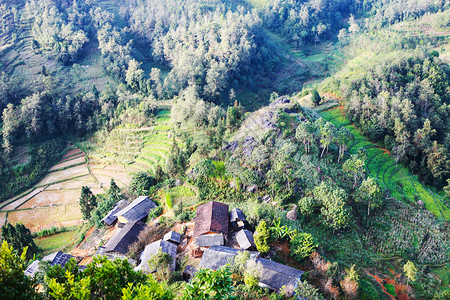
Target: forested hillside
[327,122]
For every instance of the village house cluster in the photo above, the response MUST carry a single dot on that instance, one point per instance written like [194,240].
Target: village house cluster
[218,236]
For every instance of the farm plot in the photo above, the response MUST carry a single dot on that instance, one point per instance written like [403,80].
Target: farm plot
[69,162]
[400,182]
[40,218]
[56,242]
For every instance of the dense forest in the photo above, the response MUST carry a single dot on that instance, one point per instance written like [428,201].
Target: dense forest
[335,112]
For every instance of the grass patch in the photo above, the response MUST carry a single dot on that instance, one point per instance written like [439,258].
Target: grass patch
[390,289]
[56,242]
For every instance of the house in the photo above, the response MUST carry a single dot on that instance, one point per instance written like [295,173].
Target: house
[121,241]
[218,256]
[211,218]
[208,240]
[56,258]
[275,275]
[136,210]
[173,237]
[245,239]
[111,217]
[152,249]
[112,256]
[237,217]
[32,269]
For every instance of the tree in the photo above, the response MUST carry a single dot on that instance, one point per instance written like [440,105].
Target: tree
[303,245]
[14,284]
[19,237]
[437,161]
[370,194]
[334,211]
[354,166]
[134,75]
[11,122]
[151,289]
[88,202]
[315,97]
[307,291]
[344,138]
[327,134]
[140,182]
[160,263]
[262,237]
[114,190]
[305,133]
[210,284]
[410,270]
[70,289]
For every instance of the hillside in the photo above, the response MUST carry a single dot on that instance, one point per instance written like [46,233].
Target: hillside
[271,149]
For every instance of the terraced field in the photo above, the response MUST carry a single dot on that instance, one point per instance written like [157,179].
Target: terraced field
[129,150]
[400,182]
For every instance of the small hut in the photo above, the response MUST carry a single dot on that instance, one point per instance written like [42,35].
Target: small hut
[208,240]
[275,275]
[173,237]
[237,217]
[212,219]
[245,239]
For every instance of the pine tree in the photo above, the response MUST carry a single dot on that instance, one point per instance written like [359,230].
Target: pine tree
[114,190]
[315,97]
[88,202]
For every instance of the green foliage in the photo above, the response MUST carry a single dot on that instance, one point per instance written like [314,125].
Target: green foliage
[19,238]
[102,278]
[70,289]
[210,284]
[410,270]
[13,282]
[262,237]
[307,291]
[141,182]
[88,202]
[315,97]
[252,273]
[151,289]
[160,263]
[303,244]
[114,190]
[169,199]
[370,194]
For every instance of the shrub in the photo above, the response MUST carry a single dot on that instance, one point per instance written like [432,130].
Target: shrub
[303,245]
[262,237]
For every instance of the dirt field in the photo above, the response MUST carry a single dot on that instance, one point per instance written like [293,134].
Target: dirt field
[71,152]
[41,218]
[2,218]
[64,174]
[75,183]
[68,162]
[21,200]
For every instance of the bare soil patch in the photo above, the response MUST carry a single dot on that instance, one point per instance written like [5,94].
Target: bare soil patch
[64,174]
[75,183]
[67,163]
[15,204]
[45,217]
[72,152]
[55,197]
[104,177]
[2,218]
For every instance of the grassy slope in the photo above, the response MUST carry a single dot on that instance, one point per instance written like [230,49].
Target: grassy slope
[56,242]
[402,184]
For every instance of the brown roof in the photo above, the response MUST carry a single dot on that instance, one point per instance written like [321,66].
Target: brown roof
[211,217]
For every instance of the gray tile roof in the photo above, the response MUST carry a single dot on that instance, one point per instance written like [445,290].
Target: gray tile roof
[276,275]
[218,256]
[121,241]
[152,249]
[111,217]
[172,236]
[137,210]
[112,256]
[236,215]
[208,240]
[245,239]
[32,268]
[57,258]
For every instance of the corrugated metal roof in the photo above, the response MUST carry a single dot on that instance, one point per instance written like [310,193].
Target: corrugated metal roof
[126,236]
[172,236]
[211,217]
[276,275]
[111,217]
[245,239]
[57,258]
[237,215]
[218,256]
[208,240]
[152,249]
[137,210]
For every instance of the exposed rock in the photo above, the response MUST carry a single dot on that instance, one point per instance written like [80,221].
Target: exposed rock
[266,199]
[292,214]
[233,184]
[248,145]
[420,203]
[178,182]
[231,146]
[252,188]
[280,100]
